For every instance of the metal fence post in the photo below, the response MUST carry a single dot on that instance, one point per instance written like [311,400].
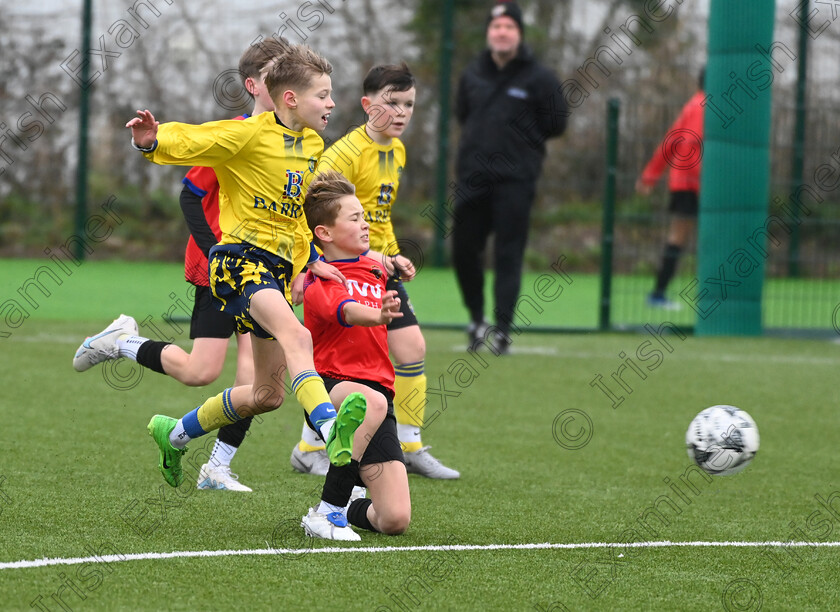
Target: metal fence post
[608,221]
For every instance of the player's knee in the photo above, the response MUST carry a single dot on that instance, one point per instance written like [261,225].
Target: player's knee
[266,398]
[411,350]
[377,408]
[302,339]
[415,353]
[395,522]
[420,348]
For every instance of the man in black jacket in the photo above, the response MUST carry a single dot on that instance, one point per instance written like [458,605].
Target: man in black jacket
[508,104]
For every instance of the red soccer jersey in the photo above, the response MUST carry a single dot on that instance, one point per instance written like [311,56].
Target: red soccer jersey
[203,183]
[681,150]
[343,351]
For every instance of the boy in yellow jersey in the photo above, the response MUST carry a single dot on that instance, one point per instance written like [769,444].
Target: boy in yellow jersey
[372,157]
[263,164]
[210,328]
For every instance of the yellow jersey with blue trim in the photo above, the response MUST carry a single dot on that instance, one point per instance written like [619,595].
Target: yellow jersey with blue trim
[264,169]
[375,170]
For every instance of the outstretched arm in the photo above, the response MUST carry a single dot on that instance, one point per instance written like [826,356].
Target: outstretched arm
[367,316]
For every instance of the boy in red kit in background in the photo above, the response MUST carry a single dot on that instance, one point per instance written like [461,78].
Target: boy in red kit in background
[682,150]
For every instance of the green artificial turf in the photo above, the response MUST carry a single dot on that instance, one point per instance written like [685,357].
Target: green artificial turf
[544,457]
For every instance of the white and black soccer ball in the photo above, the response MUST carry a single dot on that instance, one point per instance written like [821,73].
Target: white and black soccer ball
[722,440]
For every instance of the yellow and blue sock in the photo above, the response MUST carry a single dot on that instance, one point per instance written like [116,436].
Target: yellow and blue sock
[410,403]
[310,391]
[214,413]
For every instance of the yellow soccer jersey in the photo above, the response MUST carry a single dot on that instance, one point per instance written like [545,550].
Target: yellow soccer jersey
[375,170]
[263,170]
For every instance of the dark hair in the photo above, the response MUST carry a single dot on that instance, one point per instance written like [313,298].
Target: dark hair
[701,79]
[321,202]
[396,77]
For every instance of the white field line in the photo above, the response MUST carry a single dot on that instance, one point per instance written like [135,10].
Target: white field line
[547,351]
[551,351]
[45,562]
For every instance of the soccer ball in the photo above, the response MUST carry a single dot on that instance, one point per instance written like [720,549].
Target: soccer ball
[722,440]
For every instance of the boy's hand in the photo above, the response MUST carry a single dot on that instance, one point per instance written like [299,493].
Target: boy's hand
[390,307]
[297,289]
[401,266]
[144,129]
[326,271]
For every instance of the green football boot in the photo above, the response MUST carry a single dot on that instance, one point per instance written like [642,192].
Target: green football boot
[340,440]
[170,457]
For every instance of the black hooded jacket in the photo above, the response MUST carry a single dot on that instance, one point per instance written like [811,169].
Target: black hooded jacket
[506,116]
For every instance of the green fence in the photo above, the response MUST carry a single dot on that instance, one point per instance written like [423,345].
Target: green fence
[801,298]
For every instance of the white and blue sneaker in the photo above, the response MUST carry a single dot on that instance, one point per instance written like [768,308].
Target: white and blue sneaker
[219,477]
[103,346]
[332,526]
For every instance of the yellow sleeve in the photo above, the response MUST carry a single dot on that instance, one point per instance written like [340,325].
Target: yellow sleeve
[388,239]
[209,144]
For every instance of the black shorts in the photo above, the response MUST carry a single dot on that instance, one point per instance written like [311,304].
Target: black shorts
[684,203]
[408,319]
[385,444]
[237,272]
[207,320]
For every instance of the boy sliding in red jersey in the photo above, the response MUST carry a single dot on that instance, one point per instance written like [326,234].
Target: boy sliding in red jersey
[350,344]
[372,157]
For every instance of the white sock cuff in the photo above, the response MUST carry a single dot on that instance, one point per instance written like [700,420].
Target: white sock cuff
[222,453]
[310,437]
[128,345]
[408,433]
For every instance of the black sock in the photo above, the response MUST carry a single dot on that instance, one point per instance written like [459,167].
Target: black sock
[669,266]
[148,355]
[234,433]
[339,483]
[357,514]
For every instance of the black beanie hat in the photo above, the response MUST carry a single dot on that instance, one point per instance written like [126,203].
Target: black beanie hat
[507,8]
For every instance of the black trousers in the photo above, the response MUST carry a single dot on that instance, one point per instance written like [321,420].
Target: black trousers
[505,212]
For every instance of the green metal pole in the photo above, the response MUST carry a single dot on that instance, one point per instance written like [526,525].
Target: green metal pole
[84,106]
[447,47]
[797,167]
[608,223]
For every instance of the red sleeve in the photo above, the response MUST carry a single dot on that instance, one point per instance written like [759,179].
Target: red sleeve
[656,166]
[325,301]
[201,180]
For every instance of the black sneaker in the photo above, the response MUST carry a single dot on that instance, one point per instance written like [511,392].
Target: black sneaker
[501,345]
[476,334]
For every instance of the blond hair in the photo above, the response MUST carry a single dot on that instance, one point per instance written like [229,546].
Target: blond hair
[296,69]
